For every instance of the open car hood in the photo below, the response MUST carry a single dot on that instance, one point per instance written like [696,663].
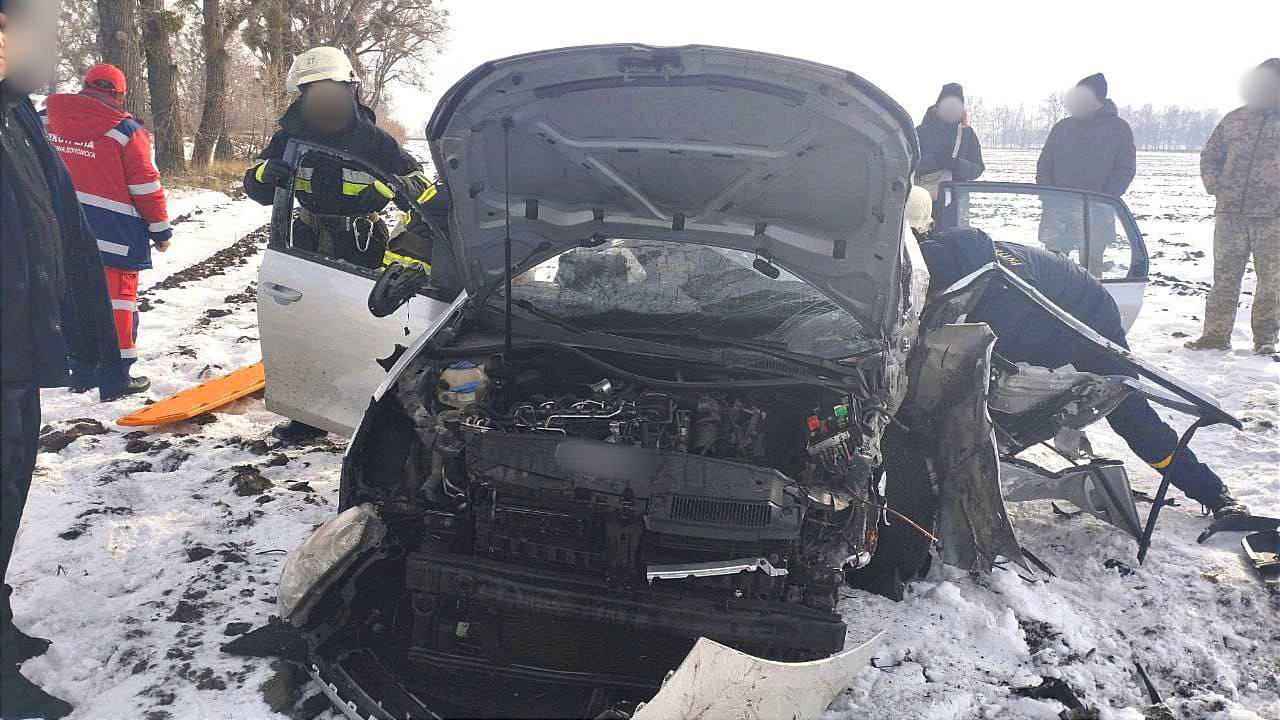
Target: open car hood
[803,163]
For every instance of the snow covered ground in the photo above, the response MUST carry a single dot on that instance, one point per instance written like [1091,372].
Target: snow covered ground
[140,548]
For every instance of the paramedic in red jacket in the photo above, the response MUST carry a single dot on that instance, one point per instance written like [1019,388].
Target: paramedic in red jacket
[108,154]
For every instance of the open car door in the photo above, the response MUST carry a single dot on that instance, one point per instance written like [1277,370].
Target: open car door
[320,343]
[1093,229]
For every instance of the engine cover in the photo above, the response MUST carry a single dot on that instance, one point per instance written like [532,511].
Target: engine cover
[673,492]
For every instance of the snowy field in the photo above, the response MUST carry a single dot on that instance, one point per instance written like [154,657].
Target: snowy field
[141,549]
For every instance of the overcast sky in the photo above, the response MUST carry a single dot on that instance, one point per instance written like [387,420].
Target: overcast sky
[1165,53]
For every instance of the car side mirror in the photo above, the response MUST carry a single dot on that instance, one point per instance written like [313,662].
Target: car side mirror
[398,283]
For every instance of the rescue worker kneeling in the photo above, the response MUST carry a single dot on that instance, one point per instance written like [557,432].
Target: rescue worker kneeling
[338,217]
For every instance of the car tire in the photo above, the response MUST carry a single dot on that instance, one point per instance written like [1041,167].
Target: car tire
[902,552]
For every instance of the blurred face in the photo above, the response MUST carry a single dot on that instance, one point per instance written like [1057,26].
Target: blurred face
[328,106]
[951,109]
[1081,102]
[4,20]
[1261,88]
[29,45]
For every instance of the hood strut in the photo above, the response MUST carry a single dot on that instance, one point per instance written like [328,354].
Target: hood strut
[506,192]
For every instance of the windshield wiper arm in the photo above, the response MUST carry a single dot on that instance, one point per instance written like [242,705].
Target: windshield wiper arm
[773,348]
[763,345]
[549,317]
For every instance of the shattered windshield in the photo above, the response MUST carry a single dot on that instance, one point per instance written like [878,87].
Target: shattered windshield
[661,287]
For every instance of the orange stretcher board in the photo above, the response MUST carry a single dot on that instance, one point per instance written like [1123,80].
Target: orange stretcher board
[200,399]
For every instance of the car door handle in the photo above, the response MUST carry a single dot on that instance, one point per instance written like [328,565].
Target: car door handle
[281,294]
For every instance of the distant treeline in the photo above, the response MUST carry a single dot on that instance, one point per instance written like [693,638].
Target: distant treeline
[1169,128]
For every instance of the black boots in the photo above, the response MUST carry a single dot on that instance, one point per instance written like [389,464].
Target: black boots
[294,431]
[17,647]
[1223,506]
[21,698]
[135,385]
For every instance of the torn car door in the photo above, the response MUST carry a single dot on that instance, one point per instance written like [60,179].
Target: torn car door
[946,406]
[947,409]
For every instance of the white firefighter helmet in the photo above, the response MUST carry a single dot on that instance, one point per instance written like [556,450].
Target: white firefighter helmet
[919,212]
[320,63]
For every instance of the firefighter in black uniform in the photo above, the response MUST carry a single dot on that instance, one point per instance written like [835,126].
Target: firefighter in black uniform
[339,203]
[338,217]
[1024,335]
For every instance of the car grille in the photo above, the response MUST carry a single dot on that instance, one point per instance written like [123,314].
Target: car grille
[719,512]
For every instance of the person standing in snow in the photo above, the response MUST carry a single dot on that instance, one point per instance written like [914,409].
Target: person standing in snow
[1091,149]
[949,148]
[108,153]
[339,203]
[53,296]
[1240,166]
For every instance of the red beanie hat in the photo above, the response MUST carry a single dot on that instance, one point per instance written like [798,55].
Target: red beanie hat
[105,77]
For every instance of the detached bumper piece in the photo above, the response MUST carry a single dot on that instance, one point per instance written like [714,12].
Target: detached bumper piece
[720,682]
[473,615]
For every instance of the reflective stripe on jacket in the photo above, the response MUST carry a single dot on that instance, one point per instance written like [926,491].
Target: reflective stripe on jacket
[108,155]
[325,185]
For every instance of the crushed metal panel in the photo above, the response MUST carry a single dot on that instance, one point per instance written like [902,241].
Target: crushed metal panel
[1033,404]
[1100,488]
[715,682]
[947,402]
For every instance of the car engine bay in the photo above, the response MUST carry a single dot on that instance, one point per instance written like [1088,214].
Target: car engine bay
[547,512]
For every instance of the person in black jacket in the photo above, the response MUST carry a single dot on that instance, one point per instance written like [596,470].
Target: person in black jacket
[1025,334]
[949,148]
[53,302]
[1091,149]
[339,202]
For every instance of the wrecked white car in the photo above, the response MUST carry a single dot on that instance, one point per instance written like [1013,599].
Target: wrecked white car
[685,370]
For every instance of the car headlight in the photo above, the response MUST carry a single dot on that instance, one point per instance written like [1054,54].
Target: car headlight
[329,551]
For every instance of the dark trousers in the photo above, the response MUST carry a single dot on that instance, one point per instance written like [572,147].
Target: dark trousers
[1134,420]
[19,437]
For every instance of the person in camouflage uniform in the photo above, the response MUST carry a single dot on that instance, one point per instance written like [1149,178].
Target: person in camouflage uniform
[1240,166]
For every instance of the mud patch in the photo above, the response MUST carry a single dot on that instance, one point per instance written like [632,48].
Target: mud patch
[234,255]
[58,440]
[247,296]
[82,526]
[248,482]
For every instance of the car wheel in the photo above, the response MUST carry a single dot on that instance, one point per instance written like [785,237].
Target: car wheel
[902,552]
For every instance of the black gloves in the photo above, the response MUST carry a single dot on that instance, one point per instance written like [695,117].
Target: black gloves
[415,185]
[273,172]
[373,198]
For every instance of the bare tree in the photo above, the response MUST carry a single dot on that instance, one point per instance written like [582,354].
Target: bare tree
[273,40]
[119,45]
[222,18]
[77,42]
[1052,109]
[397,44]
[1171,128]
[158,27]
[389,42]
